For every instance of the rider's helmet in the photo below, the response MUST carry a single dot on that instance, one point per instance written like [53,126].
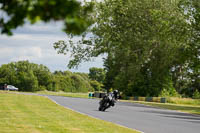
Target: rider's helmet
[115,92]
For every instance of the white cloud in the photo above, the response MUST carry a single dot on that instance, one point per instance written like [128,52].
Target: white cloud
[31,53]
[35,43]
[20,53]
[26,39]
[5,52]
[17,37]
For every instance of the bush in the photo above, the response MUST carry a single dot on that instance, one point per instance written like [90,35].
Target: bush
[171,92]
[96,85]
[196,95]
[42,88]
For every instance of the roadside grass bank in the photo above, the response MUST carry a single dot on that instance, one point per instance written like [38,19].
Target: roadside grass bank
[53,93]
[183,101]
[29,113]
[193,109]
[187,105]
[66,94]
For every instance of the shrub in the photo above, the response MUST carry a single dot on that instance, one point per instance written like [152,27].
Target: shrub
[171,92]
[196,95]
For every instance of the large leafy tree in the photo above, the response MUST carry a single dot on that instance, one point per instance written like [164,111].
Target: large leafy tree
[97,74]
[15,13]
[187,75]
[144,40]
[97,77]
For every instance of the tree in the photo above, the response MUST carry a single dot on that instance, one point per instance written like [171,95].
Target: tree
[186,76]
[8,74]
[19,74]
[144,40]
[194,60]
[97,74]
[43,75]
[28,81]
[71,12]
[96,85]
[26,76]
[71,82]
[79,85]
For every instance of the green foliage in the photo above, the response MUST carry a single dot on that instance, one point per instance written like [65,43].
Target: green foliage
[97,74]
[196,94]
[186,76]
[71,82]
[43,75]
[78,83]
[96,85]
[169,93]
[71,12]
[144,41]
[27,81]
[32,77]
[152,46]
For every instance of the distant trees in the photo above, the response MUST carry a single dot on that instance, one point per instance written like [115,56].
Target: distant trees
[97,74]
[71,82]
[33,77]
[21,74]
[97,77]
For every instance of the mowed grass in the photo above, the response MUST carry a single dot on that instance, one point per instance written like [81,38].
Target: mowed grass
[37,114]
[183,101]
[61,93]
[186,105]
[193,109]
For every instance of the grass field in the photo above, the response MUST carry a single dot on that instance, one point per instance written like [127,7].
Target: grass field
[61,93]
[193,109]
[187,105]
[36,114]
[183,101]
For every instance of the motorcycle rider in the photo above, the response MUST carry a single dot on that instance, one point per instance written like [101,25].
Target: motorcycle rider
[116,94]
[111,98]
[114,97]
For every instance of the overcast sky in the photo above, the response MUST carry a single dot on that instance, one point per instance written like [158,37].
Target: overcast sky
[35,43]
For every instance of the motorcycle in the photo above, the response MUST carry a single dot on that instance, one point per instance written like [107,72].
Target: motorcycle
[107,101]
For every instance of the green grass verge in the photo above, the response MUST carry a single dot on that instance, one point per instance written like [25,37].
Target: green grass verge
[183,101]
[36,114]
[61,93]
[193,109]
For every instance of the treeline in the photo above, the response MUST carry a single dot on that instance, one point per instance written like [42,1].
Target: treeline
[33,77]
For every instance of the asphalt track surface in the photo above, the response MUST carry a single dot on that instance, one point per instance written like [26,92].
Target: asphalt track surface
[136,116]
